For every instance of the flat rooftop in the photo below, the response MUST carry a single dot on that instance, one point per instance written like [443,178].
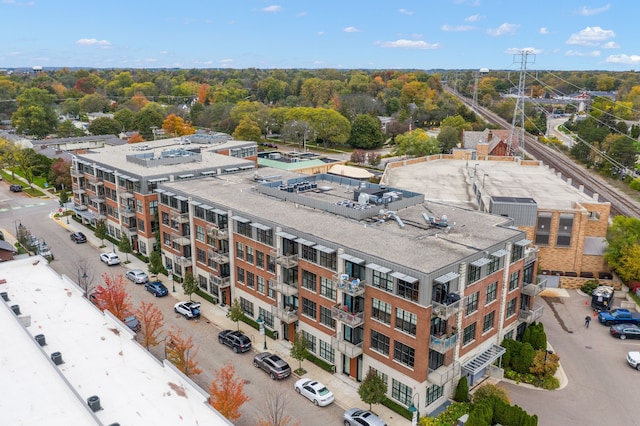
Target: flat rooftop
[100,358]
[416,245]
[451,181]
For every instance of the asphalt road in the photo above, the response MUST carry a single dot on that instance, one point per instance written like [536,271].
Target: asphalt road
[18,209]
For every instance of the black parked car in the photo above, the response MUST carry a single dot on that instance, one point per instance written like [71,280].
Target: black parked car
[235,339]
[15,188]
[78,237]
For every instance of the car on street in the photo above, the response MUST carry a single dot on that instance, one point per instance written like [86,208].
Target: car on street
[625,331]
[633,358]
[358,417]
[189,310]
[138,276]
[15,188]
[132,322]
[314,391]
[156,288]
[236,340]
[276,367]
[110,258]
[78,237]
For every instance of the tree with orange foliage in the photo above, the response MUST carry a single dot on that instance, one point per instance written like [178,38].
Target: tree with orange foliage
[180,353]
[139,100]
[226,393]
[175,125]
[202,92]
[151,323]
[136,138]
[113,297]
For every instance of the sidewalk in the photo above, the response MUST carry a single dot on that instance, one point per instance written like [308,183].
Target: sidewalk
[344,388]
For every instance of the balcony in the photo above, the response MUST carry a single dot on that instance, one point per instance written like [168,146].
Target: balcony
[531,315]
[97,199]
[180,217]
[530,254]
[444,343]
[445,310]
[80,207]
[218,234]
[286,261]
[80,190]
[221,282]
[352,319]
[352,286]
[94,180]
[181,240]
[127,212]
[287,289]
[218,257]
[77,173]
[130,231]
[286,314]
[345,347]
[126,194]
[534,289]
[444,374]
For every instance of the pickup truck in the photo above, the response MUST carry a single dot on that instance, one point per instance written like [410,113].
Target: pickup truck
[619,316]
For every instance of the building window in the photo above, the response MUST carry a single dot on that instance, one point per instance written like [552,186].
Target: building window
[247,307]
[382,281]
[326,318]
[267,317]
[251,279]
[543,229]
[239,250]
[472,303]
[511,307]
[141,225]
[469,334]
[406,321]
[309,253]
[260,259]
[401,392]
[244,229]
[494,264]
[381,311]
[514,279]
[271,264]
[492,292]
[565,228]
[309,280]
[260,284]
[265,236]
[380,342]
[166,239]
[408,290]
[434,392]
[250,256]
[201,255]
[516,253]
[328,260]
[240,275]
[403,354]
[200,233]
[487,321]
[327,352]
[327,288]
[473,274]
[311,341]
[271,290]
[309,308]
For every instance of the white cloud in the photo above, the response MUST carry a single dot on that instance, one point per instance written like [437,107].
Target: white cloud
[320,33]
[473,18]
[456,28]
[590,36]
[407,44]
[502,30]
[351,30]
[611,45]
[585,11]
[272,9]
[593,53]
[406,12]
[624,59]
[305,13]
[164,52]
[520,50]
[226,61]
[543,30]
[93,42]
[19,3]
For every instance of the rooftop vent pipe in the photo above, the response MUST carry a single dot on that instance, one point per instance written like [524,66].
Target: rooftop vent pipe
[16,309]
[94,403]
[56,357]
[4,296]
[41,340]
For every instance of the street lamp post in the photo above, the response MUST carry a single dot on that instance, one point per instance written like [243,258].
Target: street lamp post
[170,275]
[260,322]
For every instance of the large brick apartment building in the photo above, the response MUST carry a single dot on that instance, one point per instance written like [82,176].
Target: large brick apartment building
[373,276]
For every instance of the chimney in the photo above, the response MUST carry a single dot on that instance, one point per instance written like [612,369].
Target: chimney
[489,136]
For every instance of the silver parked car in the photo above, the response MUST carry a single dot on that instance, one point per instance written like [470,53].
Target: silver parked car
[276,367]
[138,276]
[358,417]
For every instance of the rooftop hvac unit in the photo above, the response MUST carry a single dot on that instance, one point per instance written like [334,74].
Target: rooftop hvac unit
[16,309]
[4,296]
[56,357]
[41,340]
[94,403]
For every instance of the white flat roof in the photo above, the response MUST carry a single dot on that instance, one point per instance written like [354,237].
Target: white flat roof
[100,357]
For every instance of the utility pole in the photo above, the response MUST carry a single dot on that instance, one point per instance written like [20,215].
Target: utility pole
[516,136]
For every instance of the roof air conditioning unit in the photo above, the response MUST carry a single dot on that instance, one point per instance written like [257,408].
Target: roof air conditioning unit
[94,403]
[4,296]
[56,357]
[16,309]
[41,340]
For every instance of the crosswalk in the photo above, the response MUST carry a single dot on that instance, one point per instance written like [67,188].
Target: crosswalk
[21,206]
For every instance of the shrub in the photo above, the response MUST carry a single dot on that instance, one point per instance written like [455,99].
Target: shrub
[490,391]
[589,286]
[394,406]
[462,390]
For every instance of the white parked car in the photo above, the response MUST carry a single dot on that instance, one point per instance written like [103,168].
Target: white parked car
[189,310]
[110,258]
[314,391]
[138,276]
[633,358]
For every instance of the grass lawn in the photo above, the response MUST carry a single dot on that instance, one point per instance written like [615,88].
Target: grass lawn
[31,191]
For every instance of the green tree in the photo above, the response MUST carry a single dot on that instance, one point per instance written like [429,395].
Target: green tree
[149,117]
[416,144]
[155,263]
[64,197]
[235,313]
[189,284]
[299,349]
[66,129]
[105,126]
[462,390]
[124,245]
[35,114]
[622,235]
[247,130]
[449,138]
[126,118]
[94,103]
[101,231]
[366,132]
[372,389]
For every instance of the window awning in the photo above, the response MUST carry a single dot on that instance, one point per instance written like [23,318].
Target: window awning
[220,212]
[324,249]
[181,198]
[240,219]
[286,235]
[156,180]
[205,206]
[499,253]
[169,194]
[195,203]
[190,175]
[449,276]
[246,167]
[378,268]
[132,179]
[483,360]
[523,242]
[159,191]
[351,259]
[208,173]
[481,262]
[260,226]
[232,169]
[120,176]
[403,277]
[304,242]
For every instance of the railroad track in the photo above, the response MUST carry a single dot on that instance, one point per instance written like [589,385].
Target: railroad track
[592,184]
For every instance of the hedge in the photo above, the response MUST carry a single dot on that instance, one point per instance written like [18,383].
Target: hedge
[400,409]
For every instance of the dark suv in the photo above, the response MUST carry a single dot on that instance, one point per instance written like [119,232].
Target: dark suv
[236,340]
[272,364]
[15,188]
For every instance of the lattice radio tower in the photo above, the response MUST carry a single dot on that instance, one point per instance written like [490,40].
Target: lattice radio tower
[516,135]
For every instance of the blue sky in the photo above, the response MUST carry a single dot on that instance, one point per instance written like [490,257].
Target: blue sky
[373,34]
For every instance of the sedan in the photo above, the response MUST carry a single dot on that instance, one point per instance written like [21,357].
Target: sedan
[358,417]
[78,237]
[272,364]
[625,331]
[156,288]
[138,276]
[132,322]
[15,188]
[110,258]
[314,391]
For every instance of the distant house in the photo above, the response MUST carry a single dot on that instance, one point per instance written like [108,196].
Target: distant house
[7,251]
[489,142]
